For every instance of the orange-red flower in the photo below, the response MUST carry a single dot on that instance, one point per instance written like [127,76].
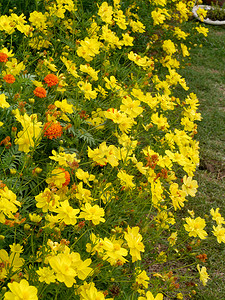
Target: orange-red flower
[9,78]
[3,57]
[51,80]
[40,92]
[67,176]
[53,130]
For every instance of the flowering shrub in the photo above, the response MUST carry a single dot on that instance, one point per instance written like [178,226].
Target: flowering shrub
[98,153]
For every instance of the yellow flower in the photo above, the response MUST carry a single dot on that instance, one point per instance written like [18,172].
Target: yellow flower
[144,62]
[120,19]
[180,34]
[67,213]
[86,87]
[88,48]
[13,67]
[159,16]
[104,155]
[127,39]
[184,50]
[89,70]
[57,178]
[202,30]
[202,13]
[169,47]
[92,213]
[195,227]
[81,267]
[130,107]
[105,12]
[30,135]
[88,291]
[189,186]
[172,238]
[149,296]
[46,275]
[35,218]
[47,200]
[133,238]
[114,252]
[70,66]
[160,121]
[219,232]
[180,296]
[7,24]
[62,266]
[21,291]
[84,176]
[64,106]
[126,179]
[137,26]
[38,20]
[142,279]
[203,275]
[8,204]
[3,102]
[216,216]
[64,159]
[16,248]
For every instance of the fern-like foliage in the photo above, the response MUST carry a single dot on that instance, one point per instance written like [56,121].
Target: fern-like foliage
[10,159]
[86,136]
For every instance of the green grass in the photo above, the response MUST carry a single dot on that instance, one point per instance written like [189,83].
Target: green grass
[206,77]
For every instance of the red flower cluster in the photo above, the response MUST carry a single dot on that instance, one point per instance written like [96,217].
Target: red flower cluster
[3,57]
[40,92]
[53,130]
[9,78]
[51,80]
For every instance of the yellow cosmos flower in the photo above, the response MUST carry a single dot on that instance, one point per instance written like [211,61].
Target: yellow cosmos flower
[64,106]
[203,274]
[216,216]
[169,47]
[134,241]
[21,291]
[105,12]
[46,275]
[67,213]
[62,266]
[219,232]
[202,30]
[126,179]
[142,279]
[3,102]
[195,227]
[88,291]
[149,296]
[92,213]
[16,248]
[189,186]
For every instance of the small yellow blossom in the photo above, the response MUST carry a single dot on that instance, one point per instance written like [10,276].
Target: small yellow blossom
[203,275]
[195,227]
[92,213]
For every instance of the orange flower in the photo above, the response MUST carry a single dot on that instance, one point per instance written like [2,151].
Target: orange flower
[9,78]
[51,80]
[40,92]
[52,130]
[3,57]
[67,177]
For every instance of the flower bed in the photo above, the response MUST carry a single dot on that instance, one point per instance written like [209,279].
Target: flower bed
[206,20]
[98,153]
